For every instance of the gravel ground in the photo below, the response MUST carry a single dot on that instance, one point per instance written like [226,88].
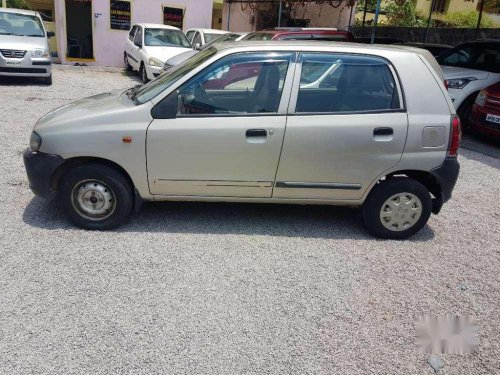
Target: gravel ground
[229,288]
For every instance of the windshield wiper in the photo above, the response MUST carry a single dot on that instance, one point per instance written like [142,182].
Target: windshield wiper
[132,92]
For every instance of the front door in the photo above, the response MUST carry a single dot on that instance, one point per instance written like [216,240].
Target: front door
[346,126]
[79,37]
[225,136]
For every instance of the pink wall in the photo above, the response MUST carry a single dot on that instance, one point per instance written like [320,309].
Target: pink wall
[109,44]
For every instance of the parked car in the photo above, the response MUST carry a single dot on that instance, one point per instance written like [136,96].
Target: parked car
[486,111]
[148,46]
[297,33]
[434,48]
[469,68]
[370,140]
[200,37]
[378,40]
[24,46]
[176,60]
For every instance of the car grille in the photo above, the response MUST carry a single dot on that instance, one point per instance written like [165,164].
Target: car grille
[13,53]
[492,103]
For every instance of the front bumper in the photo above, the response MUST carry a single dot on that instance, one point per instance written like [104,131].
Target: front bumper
[40,168]
[25,67]
[153,71]
[479,123]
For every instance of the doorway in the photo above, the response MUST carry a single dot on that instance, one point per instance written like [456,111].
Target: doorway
[79,38]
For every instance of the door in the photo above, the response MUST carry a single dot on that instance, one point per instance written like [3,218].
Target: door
[135,49]
[129,45]
[79,30]
[345,127]
[220,133]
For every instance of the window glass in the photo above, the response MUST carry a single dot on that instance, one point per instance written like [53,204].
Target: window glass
[258,36]
[20,25]
[197,39]
[138,36]
[165,37]
[296,37]
[210,37]
[131,33]
[238,84]
[482,56]
[189,35]
[330,37]
[343,83]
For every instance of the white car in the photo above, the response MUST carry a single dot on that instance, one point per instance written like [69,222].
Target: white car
[149,45]
[469,68]
[200,37]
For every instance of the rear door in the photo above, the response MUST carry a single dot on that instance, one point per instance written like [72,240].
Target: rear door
[346,126]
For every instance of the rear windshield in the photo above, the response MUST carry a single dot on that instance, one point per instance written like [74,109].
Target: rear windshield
[165,37]
[20,24]
[481,56]
[258,36]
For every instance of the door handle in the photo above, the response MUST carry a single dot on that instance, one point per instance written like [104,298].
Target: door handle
[383,131]
[256,133]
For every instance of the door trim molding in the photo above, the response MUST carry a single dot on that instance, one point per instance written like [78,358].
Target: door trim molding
[316,185]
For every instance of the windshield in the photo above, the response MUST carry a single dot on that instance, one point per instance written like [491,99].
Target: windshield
[259,36]
[150,90]
[482,56]
[20,24]
[209,37]
[165,37]
[222,38]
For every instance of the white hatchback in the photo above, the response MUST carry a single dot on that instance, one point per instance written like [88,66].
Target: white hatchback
[149,45]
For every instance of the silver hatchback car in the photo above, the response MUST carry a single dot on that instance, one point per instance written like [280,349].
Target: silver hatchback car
[277,122]
[24,47]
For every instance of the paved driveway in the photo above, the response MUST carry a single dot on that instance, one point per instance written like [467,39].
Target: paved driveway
[229,288]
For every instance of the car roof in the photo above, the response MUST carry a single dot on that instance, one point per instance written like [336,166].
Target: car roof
[209,31]
[281,31]
[19,11]
[157,26]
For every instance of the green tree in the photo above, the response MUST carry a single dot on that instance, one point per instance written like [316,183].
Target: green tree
[19,4]
[405,15]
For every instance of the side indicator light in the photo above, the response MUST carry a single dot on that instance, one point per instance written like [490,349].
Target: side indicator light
[127,139]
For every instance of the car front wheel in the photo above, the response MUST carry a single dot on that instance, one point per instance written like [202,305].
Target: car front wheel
[144,74]
[397,208]
[96,197]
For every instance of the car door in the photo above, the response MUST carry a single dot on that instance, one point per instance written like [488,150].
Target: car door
[343,132]
[135,51]
[220,137]
[130,41]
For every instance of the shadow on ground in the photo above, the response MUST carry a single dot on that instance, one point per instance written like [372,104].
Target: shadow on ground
[22,81]
[228,218]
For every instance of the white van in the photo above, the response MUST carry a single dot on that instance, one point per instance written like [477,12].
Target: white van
[24,46]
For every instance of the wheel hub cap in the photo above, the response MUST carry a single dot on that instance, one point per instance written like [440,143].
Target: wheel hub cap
[93,200]
[401,212]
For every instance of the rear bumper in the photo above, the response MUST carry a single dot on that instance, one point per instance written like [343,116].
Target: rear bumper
[40,168]
[447,175]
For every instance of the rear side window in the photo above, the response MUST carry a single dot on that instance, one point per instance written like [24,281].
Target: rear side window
[131,33]
[331,83]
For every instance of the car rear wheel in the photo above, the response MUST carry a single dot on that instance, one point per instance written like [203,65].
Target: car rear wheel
[96,196]
[397,208]
[128,67]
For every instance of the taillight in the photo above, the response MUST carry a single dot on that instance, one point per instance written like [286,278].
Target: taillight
[446,84]
[456,136]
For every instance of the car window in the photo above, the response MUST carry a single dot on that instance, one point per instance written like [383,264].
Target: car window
[480,56]
[295,37]
[246,83]
[132,33]
[330,37]
[210,37]
[20,25]
[189,35]
[138,36]
[165,37]
[258,36]
[197,39]
[332,83]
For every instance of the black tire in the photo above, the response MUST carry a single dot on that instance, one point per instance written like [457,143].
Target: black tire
[118,189]
[128,67]
[143,74]
[387,189]
[48,80]
[465,111]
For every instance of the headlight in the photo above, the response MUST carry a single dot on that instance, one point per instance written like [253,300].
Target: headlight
[35,142]
[40,53]
[155,62]
[459,83]
[481,98]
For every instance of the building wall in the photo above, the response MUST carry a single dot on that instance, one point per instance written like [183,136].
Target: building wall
[320,15]
[109,44]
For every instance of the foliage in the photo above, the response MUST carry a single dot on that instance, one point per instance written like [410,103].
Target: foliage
[19,4]
[405,15]
[466,19]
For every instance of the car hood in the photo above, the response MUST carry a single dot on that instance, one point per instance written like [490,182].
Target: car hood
[25,43]
[164,53]
[86,110]
[453,72]
[176,60]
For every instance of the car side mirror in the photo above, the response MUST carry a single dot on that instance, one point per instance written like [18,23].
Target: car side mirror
[50,34]
[197,46]
[167,108]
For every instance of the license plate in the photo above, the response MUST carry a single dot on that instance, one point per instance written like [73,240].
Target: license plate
[14,63]
[493,118]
